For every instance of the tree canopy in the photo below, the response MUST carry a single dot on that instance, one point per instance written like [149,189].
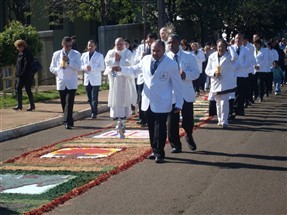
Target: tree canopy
[15,31]
[265,17]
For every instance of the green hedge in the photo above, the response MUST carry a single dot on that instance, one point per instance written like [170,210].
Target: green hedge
[14,31]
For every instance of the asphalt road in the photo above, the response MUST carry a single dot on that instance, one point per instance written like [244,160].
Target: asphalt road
[241,170]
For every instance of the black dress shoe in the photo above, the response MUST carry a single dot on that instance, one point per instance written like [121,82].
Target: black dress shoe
[231,116]
[151,156]
[175,150]
[94,116]
[141,122]
[31,109]
[240,113]
[68,126]
[159,160]
[190,142]
[17,108]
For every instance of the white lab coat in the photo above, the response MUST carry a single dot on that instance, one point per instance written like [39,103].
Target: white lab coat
[261,58]
[200,58]
[67,77]
[272,55]
[157,92]
[250,49]
[243,62]
[97,63]
[189,65]
[139,54]
[227,80]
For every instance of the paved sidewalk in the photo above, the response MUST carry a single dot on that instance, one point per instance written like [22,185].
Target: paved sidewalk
[48,114]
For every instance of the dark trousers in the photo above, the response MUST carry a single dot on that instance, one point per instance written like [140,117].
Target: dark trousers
[173,124]
[269,82]
[212,108]
[255,85]
[26,81]
[261,83]
[241,94]
[67,101]
[139,94]
[173,129]
[157,131]
[249,88]
[196,85]
[93,97]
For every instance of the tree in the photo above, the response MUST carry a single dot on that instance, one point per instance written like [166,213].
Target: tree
[17,10]
[265,17]
[103,11]
[203,14]
[14,31]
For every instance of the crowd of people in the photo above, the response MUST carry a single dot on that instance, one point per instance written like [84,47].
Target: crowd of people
[163,77]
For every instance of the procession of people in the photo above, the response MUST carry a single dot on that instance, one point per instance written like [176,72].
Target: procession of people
[163,77]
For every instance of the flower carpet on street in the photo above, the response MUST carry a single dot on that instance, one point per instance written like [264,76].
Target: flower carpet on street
[39,180]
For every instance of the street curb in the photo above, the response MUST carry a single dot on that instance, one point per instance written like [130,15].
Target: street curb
[45,124]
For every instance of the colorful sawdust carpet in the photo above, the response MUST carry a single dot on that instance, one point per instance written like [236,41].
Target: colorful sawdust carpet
[41,179]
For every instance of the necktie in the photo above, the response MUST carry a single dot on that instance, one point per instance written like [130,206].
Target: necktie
[175,57]
[238,50]
[90,55]
[147,50]
[155,65]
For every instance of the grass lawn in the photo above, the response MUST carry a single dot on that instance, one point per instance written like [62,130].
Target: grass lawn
[10,101]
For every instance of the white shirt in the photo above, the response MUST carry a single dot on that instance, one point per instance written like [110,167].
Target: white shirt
[157,92]
[243,62]
[227,80]
[68,77]
[97,63]
[188,64]
[122,92]
[261,58]
[200,58]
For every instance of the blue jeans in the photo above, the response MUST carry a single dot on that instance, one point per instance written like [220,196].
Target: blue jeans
[277,84]
[93,95]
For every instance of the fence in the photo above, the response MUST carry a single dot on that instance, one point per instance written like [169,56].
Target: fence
[9,80]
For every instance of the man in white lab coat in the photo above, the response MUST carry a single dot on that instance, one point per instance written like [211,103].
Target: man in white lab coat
[250,48]
[142,50]
[161,77]
[92,64]
[261,68]
[189,71]
[66,63]
[242,65]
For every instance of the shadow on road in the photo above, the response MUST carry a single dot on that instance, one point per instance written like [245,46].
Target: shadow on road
[224,165]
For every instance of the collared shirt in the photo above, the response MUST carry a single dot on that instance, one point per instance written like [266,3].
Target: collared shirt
[153,63]
[176,57]
[90,55]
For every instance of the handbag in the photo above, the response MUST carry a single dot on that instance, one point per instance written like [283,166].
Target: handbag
[36,66]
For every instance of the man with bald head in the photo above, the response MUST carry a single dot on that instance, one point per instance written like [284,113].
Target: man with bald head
[122,91]
[161,78]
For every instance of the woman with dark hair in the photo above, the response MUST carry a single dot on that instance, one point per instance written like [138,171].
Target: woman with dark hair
[184,45]
[24,74]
